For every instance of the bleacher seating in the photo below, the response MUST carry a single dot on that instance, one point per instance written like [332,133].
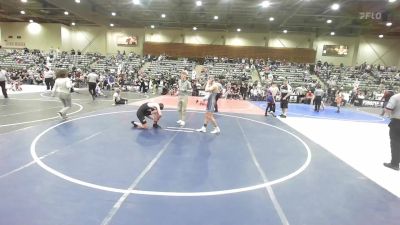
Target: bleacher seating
[230,71]
[169,67]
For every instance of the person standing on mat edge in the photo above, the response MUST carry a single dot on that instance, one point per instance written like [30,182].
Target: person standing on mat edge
[271,95]
[3,77]
[393,110]
[63,87]
[92,82]
[212,88]
[318,93]
[150,110]
[286,91]
[48,75]
[184,89]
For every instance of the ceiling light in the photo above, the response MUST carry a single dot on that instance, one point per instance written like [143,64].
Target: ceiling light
[24,1]
[111,24]
[113,14]
[136,2]
[332,33]
[199,3]
[22,12]
[388,24]
[335,6]
[152,26]
[73,24]
[265,4]
[66,13]
[216,17]
[391,1]
[31,21]
[78,1]
[285,31]
[329,21]
[380,36]
[238,30]
[163,15]
[271,19]
[194,28]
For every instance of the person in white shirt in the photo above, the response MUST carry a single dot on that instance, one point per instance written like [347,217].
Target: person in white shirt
[117,97]
[184,89]
[63,87]
[92,82]
[393,110]
[3,78]
[48,75]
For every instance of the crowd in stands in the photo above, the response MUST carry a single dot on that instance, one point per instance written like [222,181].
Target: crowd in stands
[128,72]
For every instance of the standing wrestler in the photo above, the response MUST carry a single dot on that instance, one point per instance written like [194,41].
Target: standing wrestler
[213,89]
[271,95]
[219,94]
[63,87]
[150,110]
[184,89]
[286,91]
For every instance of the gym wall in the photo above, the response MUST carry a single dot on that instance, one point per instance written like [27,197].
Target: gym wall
[384,51]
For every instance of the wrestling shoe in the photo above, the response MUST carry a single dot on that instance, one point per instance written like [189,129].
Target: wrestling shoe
[156,126]
[182,123]
[134,124]
[216,131]
[282,116]
[202,129]
[61,115]
[179,122]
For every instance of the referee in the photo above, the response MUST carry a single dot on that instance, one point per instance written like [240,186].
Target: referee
[393,109]
[92,82]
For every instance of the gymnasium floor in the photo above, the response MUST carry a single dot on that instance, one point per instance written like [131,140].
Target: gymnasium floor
[307,169]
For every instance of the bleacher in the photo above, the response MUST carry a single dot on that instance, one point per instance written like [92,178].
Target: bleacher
[169,67]
[230,71]
[113,63]
[67,61]
[19,60]
[295,76]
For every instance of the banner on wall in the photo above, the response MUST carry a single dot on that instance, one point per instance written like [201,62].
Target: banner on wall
[335,50]
[127,41]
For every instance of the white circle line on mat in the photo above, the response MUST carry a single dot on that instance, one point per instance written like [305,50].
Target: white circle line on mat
[161,193]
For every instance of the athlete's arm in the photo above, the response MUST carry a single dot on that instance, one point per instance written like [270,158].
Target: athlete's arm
[155,105]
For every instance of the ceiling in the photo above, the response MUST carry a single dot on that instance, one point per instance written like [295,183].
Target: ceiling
[249,15]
